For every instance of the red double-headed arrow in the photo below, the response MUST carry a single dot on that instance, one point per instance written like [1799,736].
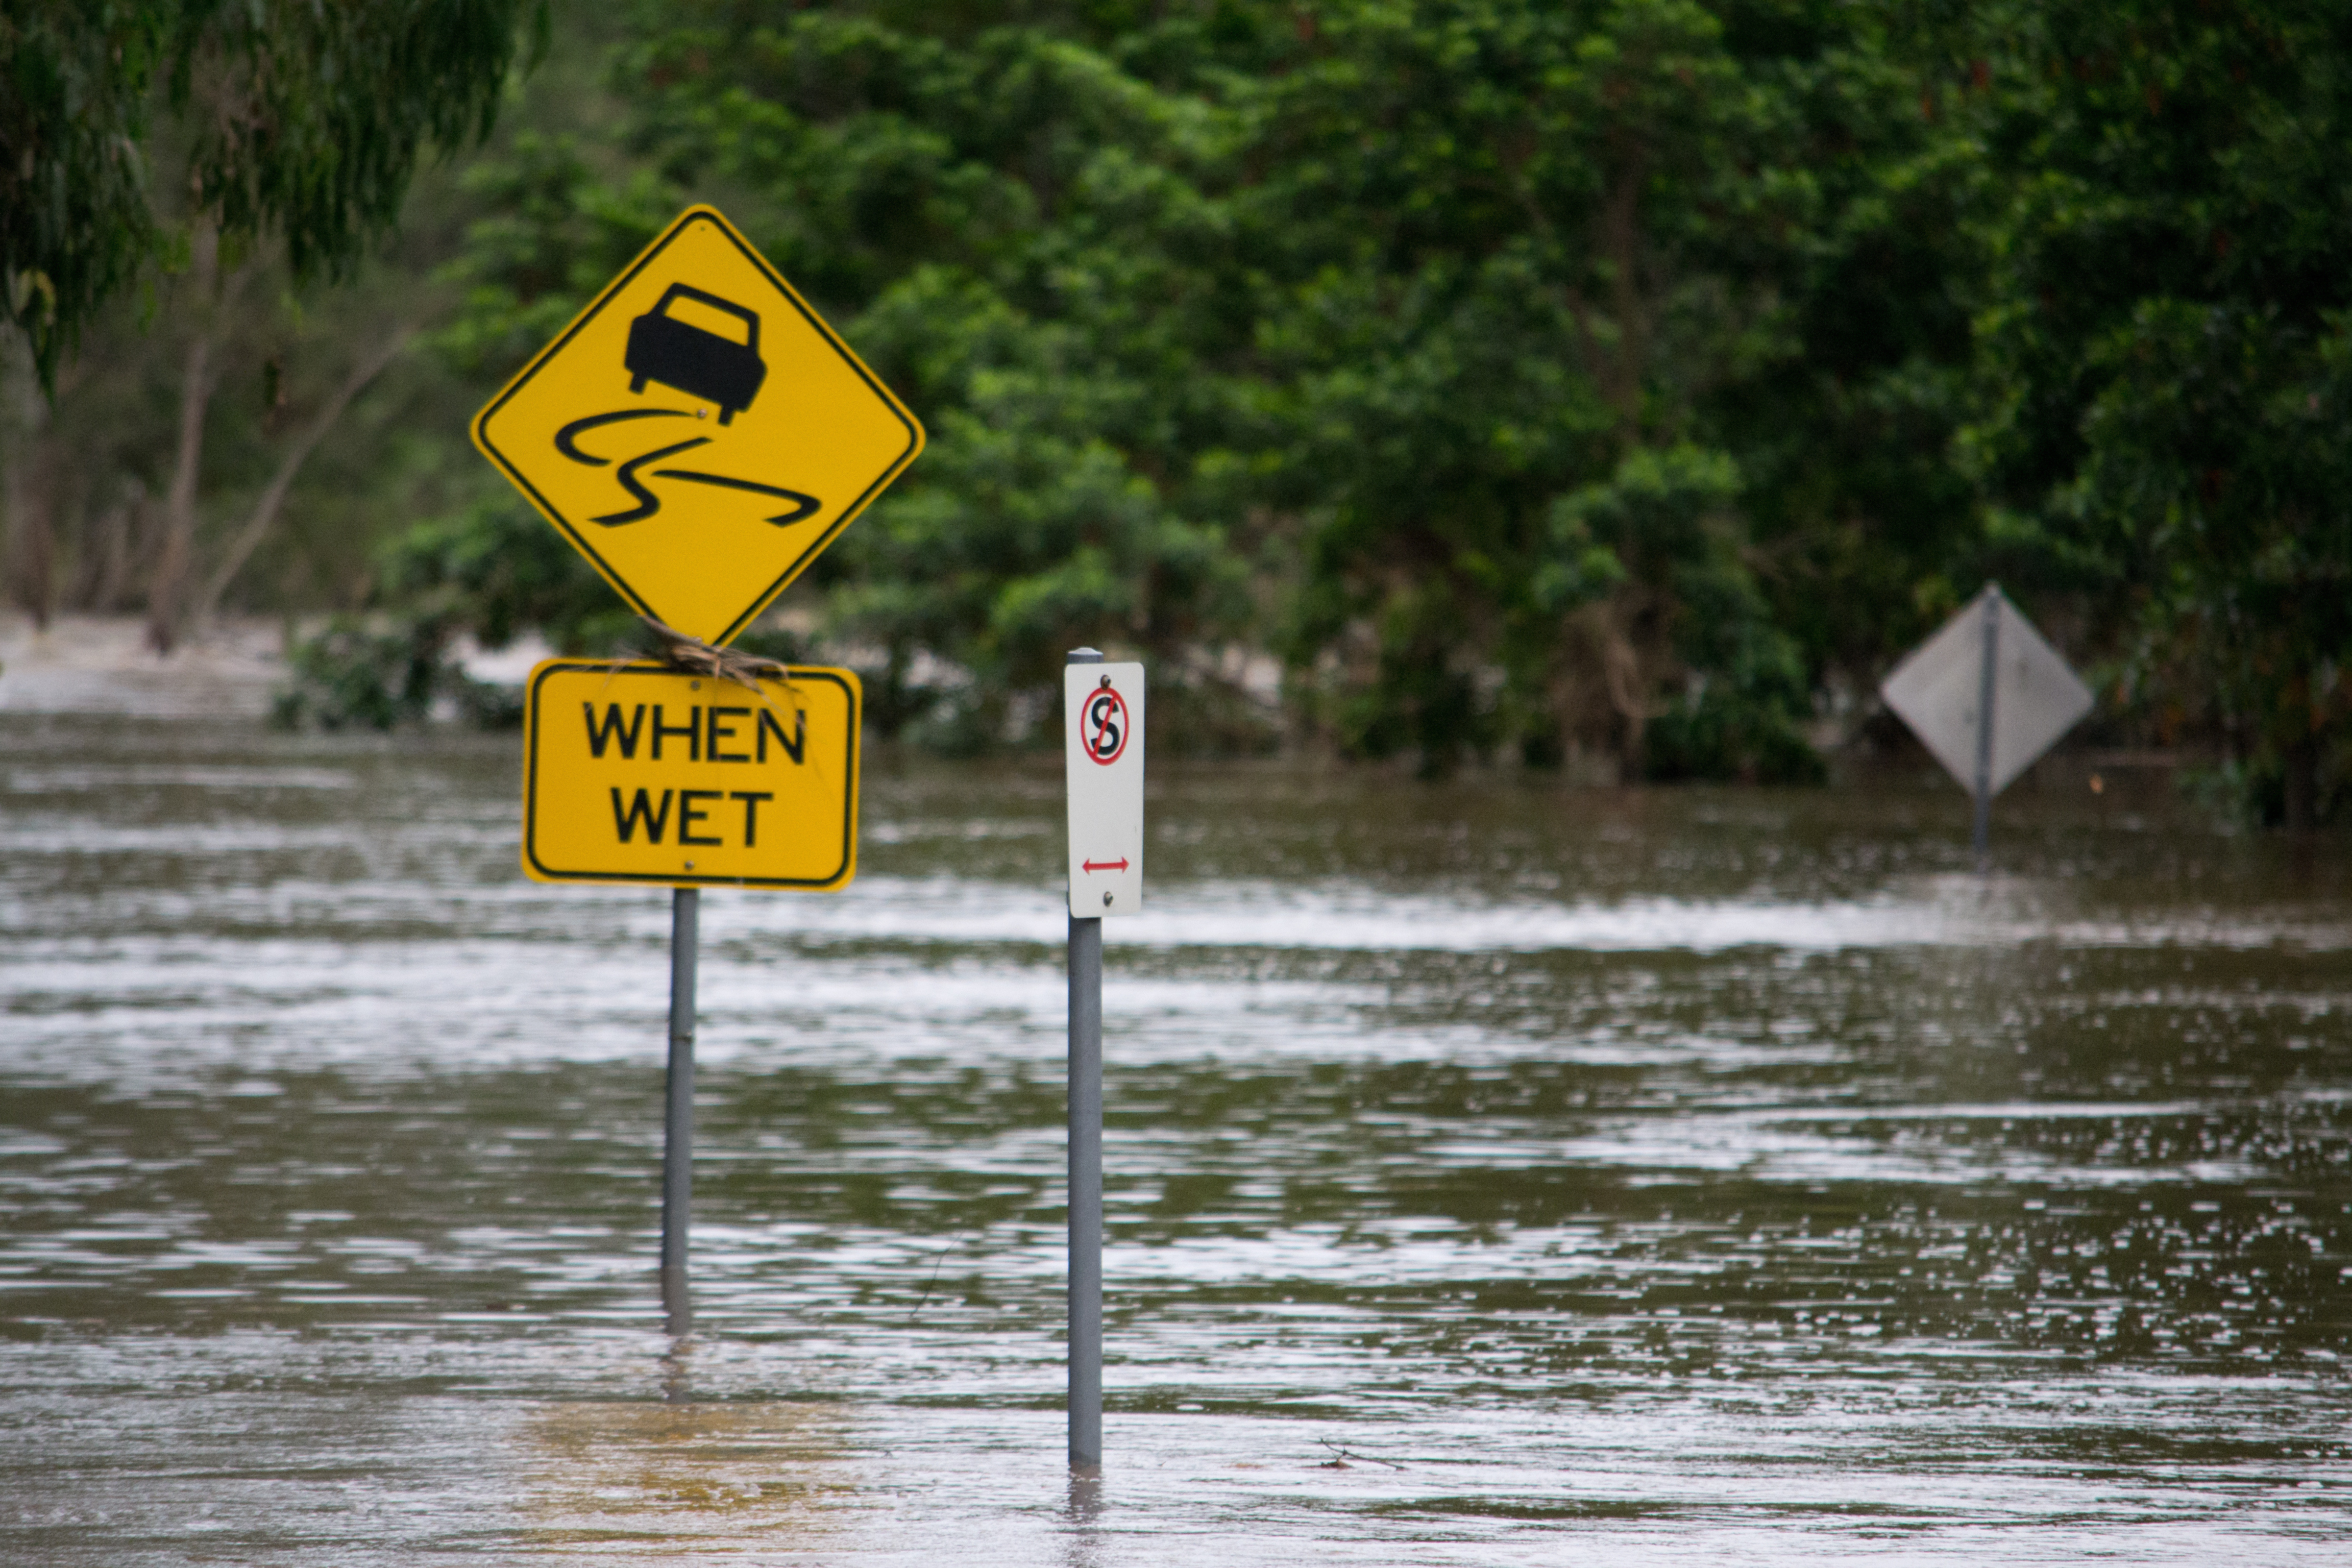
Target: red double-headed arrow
[1118,865]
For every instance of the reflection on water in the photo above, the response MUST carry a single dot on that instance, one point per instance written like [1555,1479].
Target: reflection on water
[681,1476]
[1495,1174]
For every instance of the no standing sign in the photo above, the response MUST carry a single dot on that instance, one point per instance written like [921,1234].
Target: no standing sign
[1102,716]
[1102,726]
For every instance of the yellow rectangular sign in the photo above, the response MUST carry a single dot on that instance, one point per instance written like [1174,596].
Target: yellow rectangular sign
[635,772]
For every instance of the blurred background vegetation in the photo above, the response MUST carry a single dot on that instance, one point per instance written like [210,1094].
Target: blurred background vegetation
[1613,385]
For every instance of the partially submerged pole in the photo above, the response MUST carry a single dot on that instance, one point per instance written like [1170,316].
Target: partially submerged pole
[1085,1178]
[678,1122]
[1986,687]
[1085,1190]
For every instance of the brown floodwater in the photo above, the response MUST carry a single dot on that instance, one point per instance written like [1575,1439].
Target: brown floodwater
[1496,1174]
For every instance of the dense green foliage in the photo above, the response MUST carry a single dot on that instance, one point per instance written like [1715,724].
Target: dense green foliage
[2164,346]
[289,118]
[1616,383]
[1412,342]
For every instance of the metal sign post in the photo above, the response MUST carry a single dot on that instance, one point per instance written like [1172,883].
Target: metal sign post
[1103,749]
[699,434]
[678,1122]
[1987,698]
[603,801]
[1987,695]
[1085,1190]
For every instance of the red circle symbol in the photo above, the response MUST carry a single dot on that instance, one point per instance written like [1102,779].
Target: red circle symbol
[1103,725]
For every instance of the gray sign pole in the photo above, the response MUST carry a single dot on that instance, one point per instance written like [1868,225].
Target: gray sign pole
[678,1123]
[1986,689]
[1086,1179]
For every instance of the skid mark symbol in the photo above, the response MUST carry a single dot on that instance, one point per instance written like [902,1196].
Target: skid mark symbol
[803,505]
[648,503]
[579,427]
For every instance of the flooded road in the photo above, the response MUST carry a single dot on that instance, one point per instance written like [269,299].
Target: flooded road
[1496,1174]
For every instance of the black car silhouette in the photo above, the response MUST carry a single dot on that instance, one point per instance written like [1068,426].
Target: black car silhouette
[698,363]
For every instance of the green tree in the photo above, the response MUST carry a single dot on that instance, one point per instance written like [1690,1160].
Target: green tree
[2163,351]
[1500,351]
[1016,224]
[1860,526]
[1533,272]
[288,118]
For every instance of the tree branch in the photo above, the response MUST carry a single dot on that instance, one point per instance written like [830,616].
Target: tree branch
[265,510]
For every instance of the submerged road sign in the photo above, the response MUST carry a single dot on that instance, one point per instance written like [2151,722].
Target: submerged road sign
[698,431]
[699,434]
[1988,696]
[1103,729]
[1988,651]
[635,772]
[1102,719]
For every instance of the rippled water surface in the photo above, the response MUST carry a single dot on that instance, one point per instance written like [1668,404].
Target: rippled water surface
[1496,1175]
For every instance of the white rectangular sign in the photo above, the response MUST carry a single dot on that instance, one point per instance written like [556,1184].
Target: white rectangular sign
[1102,718]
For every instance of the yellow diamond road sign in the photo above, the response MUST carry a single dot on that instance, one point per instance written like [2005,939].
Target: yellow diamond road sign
[698,431]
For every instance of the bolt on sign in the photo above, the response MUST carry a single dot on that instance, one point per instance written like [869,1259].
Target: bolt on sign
[698,431]
[635,772]
[1102,709]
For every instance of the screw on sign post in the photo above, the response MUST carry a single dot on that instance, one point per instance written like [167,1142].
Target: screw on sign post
[1987,695]
[668,772]
[1102,709]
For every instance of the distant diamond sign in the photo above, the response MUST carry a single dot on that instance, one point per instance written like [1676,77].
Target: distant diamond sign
[1939,691]
[1987,695]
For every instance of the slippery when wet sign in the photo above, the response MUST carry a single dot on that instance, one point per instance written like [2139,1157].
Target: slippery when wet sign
[636,773]
[698,433]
